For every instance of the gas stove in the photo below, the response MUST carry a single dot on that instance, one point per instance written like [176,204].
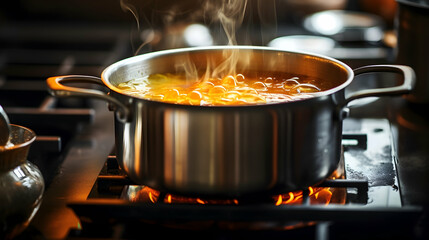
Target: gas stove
[367,194]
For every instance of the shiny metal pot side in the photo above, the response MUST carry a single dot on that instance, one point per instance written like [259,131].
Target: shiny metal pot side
[230,151]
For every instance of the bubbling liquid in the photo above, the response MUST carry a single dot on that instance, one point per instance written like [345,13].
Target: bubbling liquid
[230,90]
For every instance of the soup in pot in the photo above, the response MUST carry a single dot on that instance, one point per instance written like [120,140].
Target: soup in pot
[229,90]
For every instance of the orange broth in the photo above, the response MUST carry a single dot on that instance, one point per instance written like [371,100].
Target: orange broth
[229,90]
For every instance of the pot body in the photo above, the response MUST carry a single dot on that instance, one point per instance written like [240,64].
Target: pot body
[235,150]
[229,151]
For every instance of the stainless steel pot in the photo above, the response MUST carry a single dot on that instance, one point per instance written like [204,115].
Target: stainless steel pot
[230,150]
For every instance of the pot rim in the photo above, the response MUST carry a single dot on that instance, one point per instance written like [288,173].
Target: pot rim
[113,67]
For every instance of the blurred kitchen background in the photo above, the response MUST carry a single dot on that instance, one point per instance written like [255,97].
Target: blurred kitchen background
[168,24]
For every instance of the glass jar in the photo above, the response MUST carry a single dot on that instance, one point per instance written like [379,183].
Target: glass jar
[21,183]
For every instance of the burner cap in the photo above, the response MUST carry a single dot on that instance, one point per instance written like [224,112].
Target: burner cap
[346,25]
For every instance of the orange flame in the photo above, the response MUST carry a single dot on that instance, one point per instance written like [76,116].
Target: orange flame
[152,197]
[317,196]
[279,200]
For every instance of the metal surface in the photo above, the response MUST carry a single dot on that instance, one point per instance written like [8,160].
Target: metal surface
[60,90]
[331,48]
[4,127]
[413,48]
[344,25]
[21,183]
[308,43]
[231,150]
[407,86]
[16,154]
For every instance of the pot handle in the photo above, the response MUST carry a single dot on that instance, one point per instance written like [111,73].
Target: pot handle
[57,89]
[409,80]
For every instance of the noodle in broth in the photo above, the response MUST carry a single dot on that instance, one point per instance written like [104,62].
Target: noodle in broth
[230,90]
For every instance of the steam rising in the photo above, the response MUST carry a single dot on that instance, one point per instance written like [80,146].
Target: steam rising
[228,13]
[130,8]
[148,34]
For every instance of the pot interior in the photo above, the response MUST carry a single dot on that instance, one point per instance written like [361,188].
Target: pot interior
[222,60]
